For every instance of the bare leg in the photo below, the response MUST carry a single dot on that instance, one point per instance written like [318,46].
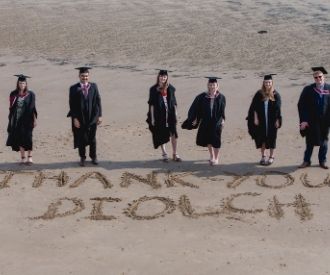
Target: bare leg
[164,153]
[30,161]
[263,157]
[271,156]
[263,149]
[216,155]
[22,151]
[163,147]
[209,146]
[174,144]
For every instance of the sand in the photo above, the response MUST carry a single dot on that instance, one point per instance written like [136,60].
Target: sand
[134,214]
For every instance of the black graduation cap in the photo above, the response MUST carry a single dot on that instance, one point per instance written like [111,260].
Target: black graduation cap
[319,69]
[163,71]
[21,77]
[268,76]
[84,69]
[213,79]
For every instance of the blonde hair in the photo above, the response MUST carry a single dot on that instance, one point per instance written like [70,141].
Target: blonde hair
[267,95]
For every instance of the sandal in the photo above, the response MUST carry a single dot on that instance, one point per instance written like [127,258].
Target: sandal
[22,161]
[176,158]
[270,160]
[215,162]
[165,157]
[263,160]
[30,161]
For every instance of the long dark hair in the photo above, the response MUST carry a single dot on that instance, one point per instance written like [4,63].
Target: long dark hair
[17,86]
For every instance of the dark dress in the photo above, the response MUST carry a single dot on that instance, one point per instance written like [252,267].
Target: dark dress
[315,109]
[22,111]
[165,122]
[87,111]
[209,123]
[265,132]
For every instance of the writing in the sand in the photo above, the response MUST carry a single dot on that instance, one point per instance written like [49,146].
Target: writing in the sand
[72,206]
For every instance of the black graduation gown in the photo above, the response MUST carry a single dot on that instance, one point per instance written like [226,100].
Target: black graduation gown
[262,134]
[87,111]
[20,128]
[316,111]
[209,126]
[162,130]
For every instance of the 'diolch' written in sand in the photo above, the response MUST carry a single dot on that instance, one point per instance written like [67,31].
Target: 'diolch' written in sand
[160,206]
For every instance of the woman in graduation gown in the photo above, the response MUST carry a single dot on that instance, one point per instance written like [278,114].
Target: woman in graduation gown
[162,116]
[207,112]
[22,119]
[264,119]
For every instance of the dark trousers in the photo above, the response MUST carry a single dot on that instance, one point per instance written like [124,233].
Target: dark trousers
[92,150]
[322,152]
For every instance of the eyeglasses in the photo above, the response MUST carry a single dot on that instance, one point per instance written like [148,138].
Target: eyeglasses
[319,76]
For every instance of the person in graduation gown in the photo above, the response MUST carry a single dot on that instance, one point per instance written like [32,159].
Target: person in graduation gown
[162,115]
[207,112]
[86,114]
[314,116]
[264,119]
[22,119]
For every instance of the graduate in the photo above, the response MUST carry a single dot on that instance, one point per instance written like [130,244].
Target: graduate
[162,115]
[314,116]
[207,113]
[86,114]
[264,119]
[22,119]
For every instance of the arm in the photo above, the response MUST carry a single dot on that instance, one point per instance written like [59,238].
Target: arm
[223,111]
[98,102]
[34,110]
[151,102]
[194,113]
[253,115]
[278,122]
[152,115]
[73,107]
[302,109]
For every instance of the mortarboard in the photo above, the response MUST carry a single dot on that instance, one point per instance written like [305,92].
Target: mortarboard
[163,72]
[268,76]
[213,79]
[84,69]
[21,77]
[319,69]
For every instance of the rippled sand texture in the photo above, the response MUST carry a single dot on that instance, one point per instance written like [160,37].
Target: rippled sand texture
[184,34]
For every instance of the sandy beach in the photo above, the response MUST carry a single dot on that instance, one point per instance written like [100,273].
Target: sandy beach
[134,214]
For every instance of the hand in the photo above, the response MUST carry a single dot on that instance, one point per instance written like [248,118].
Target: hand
[152,123]
[222,123]
[76,123]
[34,123]
[99,120]
[194,123]
[256,121]
[277,124]
[303,125]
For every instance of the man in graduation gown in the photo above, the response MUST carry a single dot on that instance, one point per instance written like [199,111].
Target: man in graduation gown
[86,114]
[314,115]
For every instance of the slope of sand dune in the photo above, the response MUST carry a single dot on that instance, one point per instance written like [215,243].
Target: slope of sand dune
[134,214]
